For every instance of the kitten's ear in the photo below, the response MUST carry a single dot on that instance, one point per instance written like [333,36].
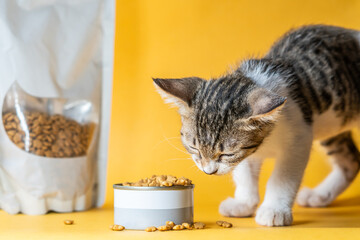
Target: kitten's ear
[265,105]
[178,91]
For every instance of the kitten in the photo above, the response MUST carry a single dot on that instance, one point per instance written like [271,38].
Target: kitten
[306,88]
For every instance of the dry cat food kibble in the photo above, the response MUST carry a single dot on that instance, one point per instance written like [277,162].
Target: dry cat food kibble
[163,228]
[187,226]
[151,229]
[178,227]
[48,135]
[224,224]
[69,222]
[117,227]
[160,181]
[170,224]
[199,225]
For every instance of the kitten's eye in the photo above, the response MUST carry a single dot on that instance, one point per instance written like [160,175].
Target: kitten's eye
[250,147]
[194,148]
[196,151]
[224,156]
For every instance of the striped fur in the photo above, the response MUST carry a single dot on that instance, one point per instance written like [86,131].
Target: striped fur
[306,87]
[324,69]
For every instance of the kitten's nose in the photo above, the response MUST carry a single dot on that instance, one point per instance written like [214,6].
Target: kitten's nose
[209,167]
[210,173]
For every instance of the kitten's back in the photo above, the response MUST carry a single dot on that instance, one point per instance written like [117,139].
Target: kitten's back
[325,61]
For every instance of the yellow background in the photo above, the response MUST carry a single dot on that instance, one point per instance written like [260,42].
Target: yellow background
[169,39]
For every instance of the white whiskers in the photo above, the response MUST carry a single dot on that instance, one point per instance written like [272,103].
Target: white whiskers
[171,144]
[164,140]
[178,159]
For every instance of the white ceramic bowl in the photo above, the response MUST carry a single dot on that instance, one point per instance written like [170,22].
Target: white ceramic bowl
[142,207]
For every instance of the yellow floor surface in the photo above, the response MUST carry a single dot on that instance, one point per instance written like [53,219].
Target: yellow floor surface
[339,221]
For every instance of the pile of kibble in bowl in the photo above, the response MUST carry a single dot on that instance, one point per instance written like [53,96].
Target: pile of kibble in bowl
[160,181]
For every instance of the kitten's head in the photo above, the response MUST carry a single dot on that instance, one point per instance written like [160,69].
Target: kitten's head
[223,120]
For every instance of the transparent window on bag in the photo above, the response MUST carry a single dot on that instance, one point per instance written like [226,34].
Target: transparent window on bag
[48,127]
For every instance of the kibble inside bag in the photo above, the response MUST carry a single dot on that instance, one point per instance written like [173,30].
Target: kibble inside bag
[56,62]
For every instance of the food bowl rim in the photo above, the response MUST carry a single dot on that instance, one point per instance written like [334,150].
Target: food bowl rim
[175,187]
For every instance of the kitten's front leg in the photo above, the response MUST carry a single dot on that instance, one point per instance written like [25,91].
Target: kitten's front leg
[246,176]
[284,183]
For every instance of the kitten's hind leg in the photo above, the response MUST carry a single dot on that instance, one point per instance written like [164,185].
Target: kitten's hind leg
[345,160]
[246,176]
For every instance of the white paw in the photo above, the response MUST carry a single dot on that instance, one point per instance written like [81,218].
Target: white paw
[311,198]
[231,207]
[268,216]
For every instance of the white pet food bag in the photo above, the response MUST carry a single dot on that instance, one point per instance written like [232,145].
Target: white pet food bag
[56,62]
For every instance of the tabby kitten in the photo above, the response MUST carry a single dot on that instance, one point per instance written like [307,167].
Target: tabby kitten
[306,88]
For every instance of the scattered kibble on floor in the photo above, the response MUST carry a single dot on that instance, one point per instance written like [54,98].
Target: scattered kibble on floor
[69,222]
[187,226]
[178,227]
[151,229]
[199,225]
[163,228]
[116,227]
[167,227]
[224,224]
[170,224]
